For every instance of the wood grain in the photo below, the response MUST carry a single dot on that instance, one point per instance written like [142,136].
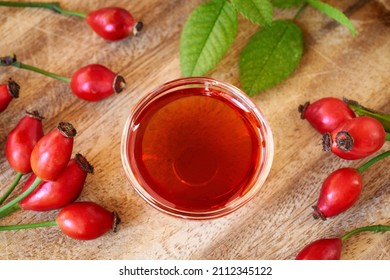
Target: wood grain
[277,222]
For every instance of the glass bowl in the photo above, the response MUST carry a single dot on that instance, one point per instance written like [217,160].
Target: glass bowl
[196,148]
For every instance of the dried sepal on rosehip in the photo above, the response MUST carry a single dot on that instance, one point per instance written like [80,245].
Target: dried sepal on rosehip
[93,82]
[52,152]
[8,92]
[356,138]
[111,23]
[48,159]
[84,220]
[326,114]
[341,189]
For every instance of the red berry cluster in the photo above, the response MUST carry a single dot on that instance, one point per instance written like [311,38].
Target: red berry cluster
[92,82]
[56,179]
[351,132]
[348,136]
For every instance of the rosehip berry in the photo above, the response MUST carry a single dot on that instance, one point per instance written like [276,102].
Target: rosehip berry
[355,138]
[95,82]
[86,220]
[330,248]
[113,23]
[79,220]
[92,82]
[21,141]
[52,152]
[19,145]
[322,249]
[340,191]
[8,92]
[50,195]
[50,156]
[360,110]
[326,113]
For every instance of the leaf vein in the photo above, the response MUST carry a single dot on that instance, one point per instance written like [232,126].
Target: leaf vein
[208,38]
[274,49]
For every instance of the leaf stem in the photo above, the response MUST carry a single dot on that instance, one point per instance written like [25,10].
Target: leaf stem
[300,11]
[372,161]
[373,228]
[5,207]
[54,6]
[26,226]
[11,188]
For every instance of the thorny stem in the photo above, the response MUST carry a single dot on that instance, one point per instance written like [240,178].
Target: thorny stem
[373,228]
[372,161]
[21,196]
[54,6]
[26,226]
[11,188]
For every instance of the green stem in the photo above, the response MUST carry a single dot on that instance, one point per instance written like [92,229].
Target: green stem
[26,226]
[374,228]
[372,161]
[11,188]
[40,71]
[21,196]
[360,110]
[10,210]
[387,137]
[300,11]
[54,6]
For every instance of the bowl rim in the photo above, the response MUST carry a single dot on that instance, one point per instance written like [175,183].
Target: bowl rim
[258,179]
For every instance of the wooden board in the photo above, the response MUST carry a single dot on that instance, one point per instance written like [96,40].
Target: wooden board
[277,222]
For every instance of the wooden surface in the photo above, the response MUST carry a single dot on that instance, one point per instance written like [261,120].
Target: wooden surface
[277,222]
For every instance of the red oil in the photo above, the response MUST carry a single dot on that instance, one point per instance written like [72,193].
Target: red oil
[196,150]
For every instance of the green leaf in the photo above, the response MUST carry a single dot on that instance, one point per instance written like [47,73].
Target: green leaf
[257,11]
[206,36]
[334,13]
[284,4]
[270,56]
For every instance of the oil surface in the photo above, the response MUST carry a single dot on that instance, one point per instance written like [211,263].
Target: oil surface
[196,150]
